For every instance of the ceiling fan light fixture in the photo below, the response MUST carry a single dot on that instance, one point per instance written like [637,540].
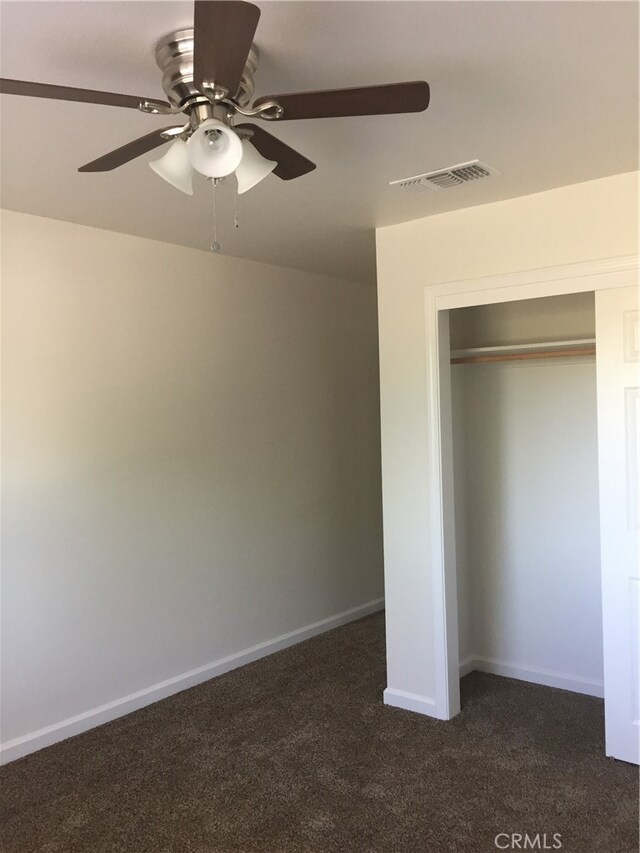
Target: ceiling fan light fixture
[253,167]
[175,167]
[214,150]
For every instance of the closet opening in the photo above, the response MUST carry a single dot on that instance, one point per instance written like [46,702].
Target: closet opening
[526,493]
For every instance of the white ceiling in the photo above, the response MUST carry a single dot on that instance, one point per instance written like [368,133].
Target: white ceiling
[547,92]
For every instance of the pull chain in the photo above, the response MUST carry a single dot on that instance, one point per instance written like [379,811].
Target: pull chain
[215,246]
[235,212]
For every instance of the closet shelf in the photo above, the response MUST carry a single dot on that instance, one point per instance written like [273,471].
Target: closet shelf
[522,352]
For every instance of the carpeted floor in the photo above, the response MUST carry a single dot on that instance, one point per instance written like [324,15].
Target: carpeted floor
[297,753]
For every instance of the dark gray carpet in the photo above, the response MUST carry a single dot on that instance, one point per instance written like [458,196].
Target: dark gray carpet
[297,753]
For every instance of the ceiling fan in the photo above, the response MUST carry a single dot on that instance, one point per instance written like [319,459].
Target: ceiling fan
[207,74]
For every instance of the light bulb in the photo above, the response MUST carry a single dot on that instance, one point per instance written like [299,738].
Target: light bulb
[175,167]
[214,149]
[253,167]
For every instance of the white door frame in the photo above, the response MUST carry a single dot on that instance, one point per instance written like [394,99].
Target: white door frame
[439,299]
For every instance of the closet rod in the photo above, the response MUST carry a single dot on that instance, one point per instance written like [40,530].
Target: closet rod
[524,356]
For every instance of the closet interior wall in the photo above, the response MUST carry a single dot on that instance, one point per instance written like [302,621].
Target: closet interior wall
[526,494]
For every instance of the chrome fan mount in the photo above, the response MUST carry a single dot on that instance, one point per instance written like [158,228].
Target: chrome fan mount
[208,75]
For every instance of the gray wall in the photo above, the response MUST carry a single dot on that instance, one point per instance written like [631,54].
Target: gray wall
[527,522]
[190,462]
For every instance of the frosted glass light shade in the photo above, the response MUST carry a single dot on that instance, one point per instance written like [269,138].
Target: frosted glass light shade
[253,167]
[214,149]
[175,167]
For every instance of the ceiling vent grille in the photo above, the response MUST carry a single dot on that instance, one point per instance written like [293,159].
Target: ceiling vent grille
[444,179]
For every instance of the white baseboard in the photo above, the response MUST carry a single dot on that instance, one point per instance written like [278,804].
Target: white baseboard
[410,701]
[33,741]
[545,677]
[467,665]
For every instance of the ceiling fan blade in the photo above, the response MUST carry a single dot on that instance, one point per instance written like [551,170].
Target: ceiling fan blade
[291,164]
[223,31]
[127,152]
[68,93]
[365,101]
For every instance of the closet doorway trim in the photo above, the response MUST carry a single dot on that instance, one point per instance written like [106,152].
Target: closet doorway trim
[439,299]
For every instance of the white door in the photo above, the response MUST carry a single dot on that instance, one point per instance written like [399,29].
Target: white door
[617,347]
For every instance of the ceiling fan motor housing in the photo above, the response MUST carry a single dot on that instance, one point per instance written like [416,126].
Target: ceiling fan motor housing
[174,56]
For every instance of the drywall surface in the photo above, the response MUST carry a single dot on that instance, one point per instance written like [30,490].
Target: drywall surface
[526,485]
[588,221]
[190,462]
[465,589]
[552,318]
